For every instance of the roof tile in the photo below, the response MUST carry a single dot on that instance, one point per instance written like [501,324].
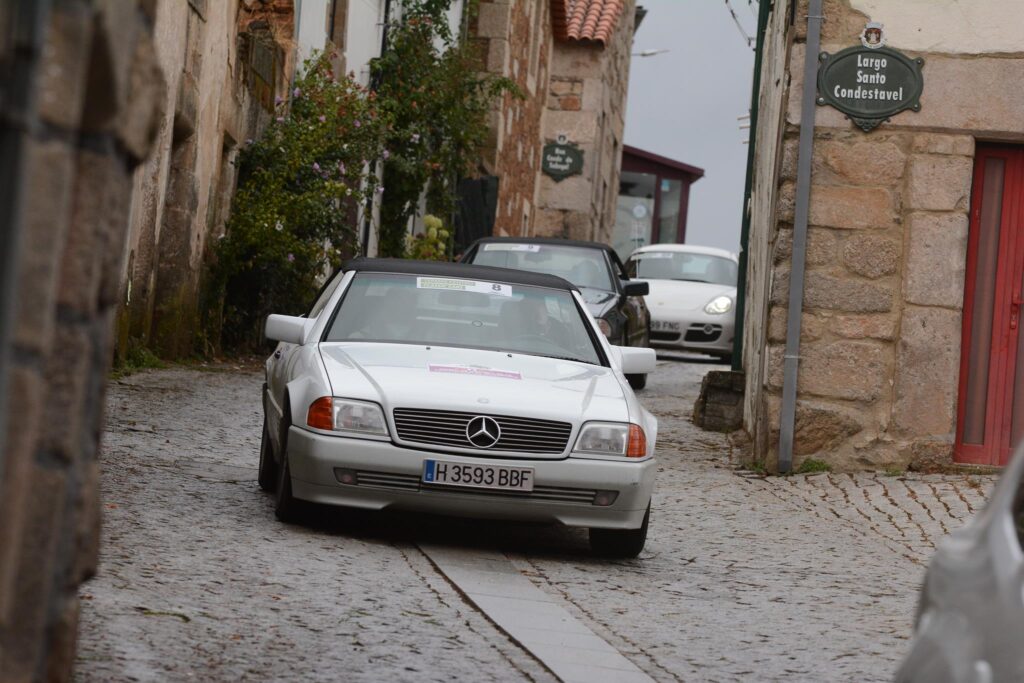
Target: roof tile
[577,20]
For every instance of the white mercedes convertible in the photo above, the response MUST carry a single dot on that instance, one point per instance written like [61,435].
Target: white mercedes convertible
[462,390]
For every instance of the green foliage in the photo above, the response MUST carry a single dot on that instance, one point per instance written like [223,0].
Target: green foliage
[810,466]
[435,95]
[432,244]
[136,357]
[300,189]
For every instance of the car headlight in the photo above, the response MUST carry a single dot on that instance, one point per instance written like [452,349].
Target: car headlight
[605,327]
[611,438]
[346,415]
[719,305]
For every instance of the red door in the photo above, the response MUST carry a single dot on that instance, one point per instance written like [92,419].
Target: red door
[990,413]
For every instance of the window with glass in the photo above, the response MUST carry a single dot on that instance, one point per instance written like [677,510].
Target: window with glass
[582,266]
[410,309]
[682,265]
[634,215]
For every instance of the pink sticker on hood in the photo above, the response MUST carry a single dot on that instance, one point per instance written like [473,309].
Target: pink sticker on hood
[475,371]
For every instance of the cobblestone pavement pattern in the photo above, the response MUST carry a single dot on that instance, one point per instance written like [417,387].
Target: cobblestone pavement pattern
[744,578]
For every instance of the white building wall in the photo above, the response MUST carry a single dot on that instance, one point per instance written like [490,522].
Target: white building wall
[949,26]
[312,19]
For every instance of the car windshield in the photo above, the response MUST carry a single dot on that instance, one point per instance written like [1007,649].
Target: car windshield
[682,265]
[582,266]
[410,309]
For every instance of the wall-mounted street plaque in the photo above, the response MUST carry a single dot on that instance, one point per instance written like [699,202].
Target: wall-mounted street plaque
[561,159]
[870,84]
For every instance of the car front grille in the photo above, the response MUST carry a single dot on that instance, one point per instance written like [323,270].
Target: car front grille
[448,428]
[412,482]
[664,336]
[703,333]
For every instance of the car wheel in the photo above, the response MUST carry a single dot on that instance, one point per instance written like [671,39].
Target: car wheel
[267,477]
[637,381]
[286,506]
[620,542]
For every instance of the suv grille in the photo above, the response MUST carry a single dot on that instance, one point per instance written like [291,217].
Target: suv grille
[448,428]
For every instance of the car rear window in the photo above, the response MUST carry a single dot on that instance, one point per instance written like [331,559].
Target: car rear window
[411,309]
[582,266]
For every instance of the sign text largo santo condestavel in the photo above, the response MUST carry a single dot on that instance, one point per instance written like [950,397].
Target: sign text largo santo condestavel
[870,85]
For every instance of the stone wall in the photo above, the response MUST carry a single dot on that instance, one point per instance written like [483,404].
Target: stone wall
[81,117]
[215,55]
[515,36]
[587,104]
[880,342]
[575,88]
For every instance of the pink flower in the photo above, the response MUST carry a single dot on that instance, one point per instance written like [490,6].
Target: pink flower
[322,118]
[387,154]
[316,166]
[280,119]
[341,167]
[380,189]
[291,258]
[415,137]
[297,93]
[356,123]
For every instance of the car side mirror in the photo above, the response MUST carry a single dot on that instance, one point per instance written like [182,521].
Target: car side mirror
[285,328]
[636,361]
[636,288]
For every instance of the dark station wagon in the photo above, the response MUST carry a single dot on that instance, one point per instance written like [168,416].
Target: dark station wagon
[612,298]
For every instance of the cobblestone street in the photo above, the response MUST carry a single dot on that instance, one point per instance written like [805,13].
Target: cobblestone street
[804,578]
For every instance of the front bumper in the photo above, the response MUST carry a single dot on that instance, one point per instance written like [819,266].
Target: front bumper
[389,477]
[693,331]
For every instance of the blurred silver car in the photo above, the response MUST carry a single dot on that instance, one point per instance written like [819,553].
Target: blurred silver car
[970,621]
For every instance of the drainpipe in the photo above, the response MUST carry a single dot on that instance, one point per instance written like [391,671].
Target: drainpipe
[765,9]
[791,359]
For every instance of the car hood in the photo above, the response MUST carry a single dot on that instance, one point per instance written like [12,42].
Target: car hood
[474,380]
[599,301]
[667,295]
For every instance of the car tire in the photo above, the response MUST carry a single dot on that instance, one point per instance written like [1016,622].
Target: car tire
[286,507]
[637,381]
[267,477]
[621,543]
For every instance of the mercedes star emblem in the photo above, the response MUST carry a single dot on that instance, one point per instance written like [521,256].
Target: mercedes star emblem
[483,431]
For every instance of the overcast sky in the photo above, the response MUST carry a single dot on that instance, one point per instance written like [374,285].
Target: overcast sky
[683,105]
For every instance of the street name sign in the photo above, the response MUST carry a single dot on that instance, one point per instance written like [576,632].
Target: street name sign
[561,160]
[870,84]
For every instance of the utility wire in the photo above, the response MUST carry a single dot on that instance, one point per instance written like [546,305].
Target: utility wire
[736,20]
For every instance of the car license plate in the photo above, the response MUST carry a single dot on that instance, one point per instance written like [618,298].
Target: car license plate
[445,473]
[664,325]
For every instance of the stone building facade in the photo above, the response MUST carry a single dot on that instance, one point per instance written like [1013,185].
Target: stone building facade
[891,218]
[226,61]
[81,97]
[570,59]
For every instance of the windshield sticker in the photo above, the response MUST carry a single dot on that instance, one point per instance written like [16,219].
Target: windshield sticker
[495,246]
[474,371]
[653,255]
[492,288]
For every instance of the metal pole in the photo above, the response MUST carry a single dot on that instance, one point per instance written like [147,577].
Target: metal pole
[764,11]
[791,359]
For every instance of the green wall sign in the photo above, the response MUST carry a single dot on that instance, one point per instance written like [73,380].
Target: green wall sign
[561,160]
[870,84]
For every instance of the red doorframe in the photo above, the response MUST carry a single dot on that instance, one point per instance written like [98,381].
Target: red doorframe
[1006,296]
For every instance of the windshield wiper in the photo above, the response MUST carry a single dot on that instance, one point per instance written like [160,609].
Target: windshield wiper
[546,355]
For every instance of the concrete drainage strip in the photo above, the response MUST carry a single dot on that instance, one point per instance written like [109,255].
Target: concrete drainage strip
[531,618]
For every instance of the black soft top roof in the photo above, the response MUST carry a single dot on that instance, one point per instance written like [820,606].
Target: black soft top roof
[460,270]
[554,241]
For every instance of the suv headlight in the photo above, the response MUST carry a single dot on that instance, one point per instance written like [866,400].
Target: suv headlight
[611,438]
[358,418]
[719,305]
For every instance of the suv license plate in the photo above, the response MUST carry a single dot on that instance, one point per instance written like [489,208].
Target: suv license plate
[445,473]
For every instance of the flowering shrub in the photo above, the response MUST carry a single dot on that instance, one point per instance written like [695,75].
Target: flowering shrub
[435,94]
[432,244]
[294,216]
